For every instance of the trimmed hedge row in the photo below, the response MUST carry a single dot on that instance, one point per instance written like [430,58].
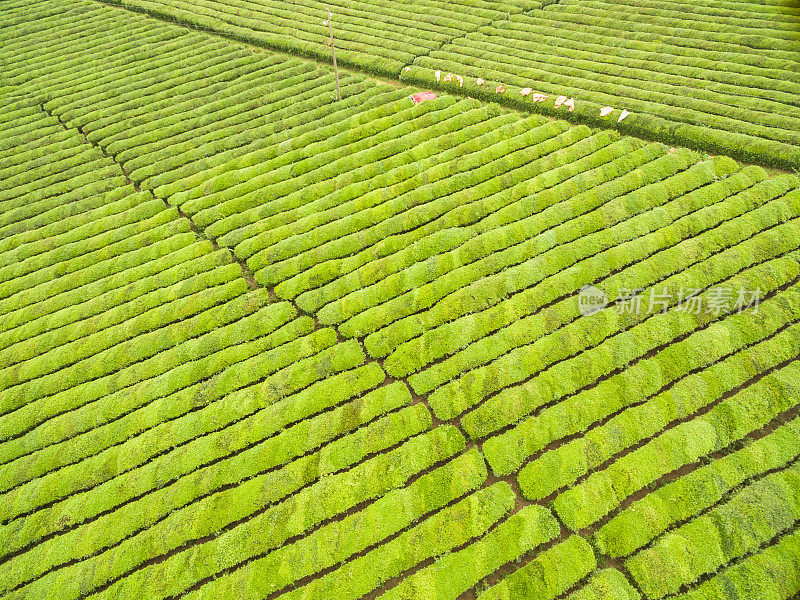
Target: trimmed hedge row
[339,390]
[362,291]
[715,340]
[452,216]
[364,310]
[564,465]
[697,102]
[606,584]
[286,369]
[725,423]
[640,124]
[362,180]
[477,286]
[620,219]
[772,574]
[254,461]
[421,207]
[549,575]
[455,573]
[428,208]
[263,531]
[686,497]
[526,347]
[337,541]
[435,536]
[752,517]
[369,36]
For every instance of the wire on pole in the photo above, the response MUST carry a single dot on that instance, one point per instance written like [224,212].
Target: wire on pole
[333,51]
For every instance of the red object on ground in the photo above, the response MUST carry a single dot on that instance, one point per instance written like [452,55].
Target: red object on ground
[422,96]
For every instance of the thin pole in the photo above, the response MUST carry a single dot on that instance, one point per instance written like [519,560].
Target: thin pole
[333,50]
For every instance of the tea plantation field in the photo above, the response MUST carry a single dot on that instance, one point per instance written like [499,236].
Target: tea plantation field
[721,76]
[258,343]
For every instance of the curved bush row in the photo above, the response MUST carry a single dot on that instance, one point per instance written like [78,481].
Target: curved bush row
[339,392]
[311,112]
[564,465]
[455,573]
[549,575]
[725,73]
[751,40]
[489,291]
[725,423]
[618,220]
[48,134]
[239,201]
[667,129]
[197,315]
[293,367]
[629,384]
[382,180]
[254,461]
[292,112]
[435,536]
[263,531]
[38,400]
[465,208]
[411,267]
[606,584]
[370,36]
[25,290]
[36,172]
[50,331]
[268,100]
[643,91]
[164,122]
[191,297]
[34,243]
[386,516]
[752,517]
[771,574]
[604,341]
[187,363]
[55,300]
[340,175]
[481,239]
[686,497]
[65,202]
[297,131]
[425,209]
[525,347]
[422,196]
[26,200]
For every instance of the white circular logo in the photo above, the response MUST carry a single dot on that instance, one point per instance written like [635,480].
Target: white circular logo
[591,300]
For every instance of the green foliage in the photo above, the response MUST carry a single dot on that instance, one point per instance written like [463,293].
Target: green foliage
[525,347]
[549,575]
[773,574]
[457,572]
[266,530]
[563,466]
[606,584]
[749,519]
[283,371]
[387,515]
[577,412]
[435,536]
[405,276]
[248,458]
[685,79]
[679,500]
[725,423]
